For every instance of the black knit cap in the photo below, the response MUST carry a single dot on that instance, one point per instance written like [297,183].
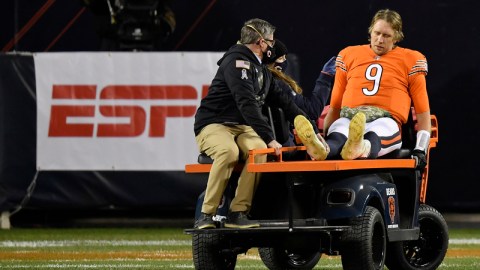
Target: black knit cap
[280,49]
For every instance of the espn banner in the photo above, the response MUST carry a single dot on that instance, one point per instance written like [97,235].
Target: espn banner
[119,111]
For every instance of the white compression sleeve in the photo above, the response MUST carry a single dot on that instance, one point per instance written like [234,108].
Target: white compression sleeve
[423,140]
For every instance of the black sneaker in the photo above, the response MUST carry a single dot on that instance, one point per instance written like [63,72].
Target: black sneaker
[205,221]
[240,220]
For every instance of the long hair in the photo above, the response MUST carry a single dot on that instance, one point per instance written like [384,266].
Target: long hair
[286,78]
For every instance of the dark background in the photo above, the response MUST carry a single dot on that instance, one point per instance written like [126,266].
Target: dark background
[446,31]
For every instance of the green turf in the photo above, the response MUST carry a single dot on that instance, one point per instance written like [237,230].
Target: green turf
[150,248]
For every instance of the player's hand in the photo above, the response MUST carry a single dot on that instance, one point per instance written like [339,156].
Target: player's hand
[420,158]
[275,145]
[329,67]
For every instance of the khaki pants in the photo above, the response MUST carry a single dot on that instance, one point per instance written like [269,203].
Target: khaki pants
[225,145]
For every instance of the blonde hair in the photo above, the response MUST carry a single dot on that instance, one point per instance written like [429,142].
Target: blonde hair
[286,78]
[393,18]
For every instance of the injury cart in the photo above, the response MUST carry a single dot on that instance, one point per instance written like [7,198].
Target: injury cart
[370,212]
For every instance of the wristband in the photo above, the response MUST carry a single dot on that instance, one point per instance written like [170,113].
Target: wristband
[423,140]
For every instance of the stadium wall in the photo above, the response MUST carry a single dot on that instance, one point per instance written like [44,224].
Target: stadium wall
[445,31]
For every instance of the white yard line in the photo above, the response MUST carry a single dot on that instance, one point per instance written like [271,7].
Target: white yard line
[71,243]
[166,243]
[79,266]
[465,241]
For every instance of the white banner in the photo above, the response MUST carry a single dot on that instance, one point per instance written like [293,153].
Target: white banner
[119,111]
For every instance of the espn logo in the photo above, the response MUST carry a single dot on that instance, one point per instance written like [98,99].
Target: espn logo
[80,102]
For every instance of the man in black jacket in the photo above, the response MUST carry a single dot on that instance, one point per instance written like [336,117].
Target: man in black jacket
[229,121]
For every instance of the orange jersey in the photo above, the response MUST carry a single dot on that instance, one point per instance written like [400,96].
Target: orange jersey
[391,81]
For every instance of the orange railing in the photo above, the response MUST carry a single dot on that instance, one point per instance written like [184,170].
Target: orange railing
[280,165]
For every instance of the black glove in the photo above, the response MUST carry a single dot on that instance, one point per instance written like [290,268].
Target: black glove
[420,158]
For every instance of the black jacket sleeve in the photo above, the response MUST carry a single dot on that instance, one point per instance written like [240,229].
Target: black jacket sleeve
[314,104]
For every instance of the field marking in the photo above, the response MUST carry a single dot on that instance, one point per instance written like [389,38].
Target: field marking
[465,241]
[60,256]
[165,243]
[463,253]
[91,266]
[114,243]
[61,259]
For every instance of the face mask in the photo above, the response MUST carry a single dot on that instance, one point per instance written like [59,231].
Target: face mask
[269,55]
[281,66]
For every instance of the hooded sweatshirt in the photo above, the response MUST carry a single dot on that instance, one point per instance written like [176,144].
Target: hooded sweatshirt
[238,92]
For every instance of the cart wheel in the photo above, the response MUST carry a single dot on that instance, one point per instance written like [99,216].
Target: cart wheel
[208,253]
[364,244]
[280,258]
[428,251]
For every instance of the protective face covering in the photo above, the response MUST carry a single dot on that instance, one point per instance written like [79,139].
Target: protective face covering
[268,55]
[281,66]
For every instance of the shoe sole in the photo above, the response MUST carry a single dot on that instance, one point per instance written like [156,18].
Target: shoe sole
[207,226]
[308,137]
[356,131]
[236,226]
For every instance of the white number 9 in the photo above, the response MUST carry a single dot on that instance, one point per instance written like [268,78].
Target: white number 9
[373,73]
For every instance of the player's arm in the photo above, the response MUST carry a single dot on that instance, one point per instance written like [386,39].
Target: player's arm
[424,121]
[339,86]
[332,115]
[418,90]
